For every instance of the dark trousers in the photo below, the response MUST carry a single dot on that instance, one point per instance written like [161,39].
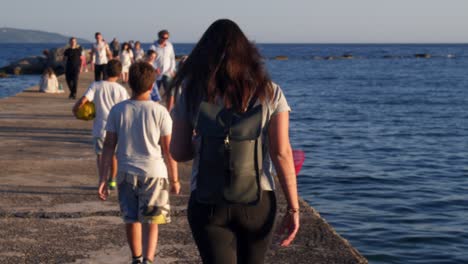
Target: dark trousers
[71,75]
[231,234]
[100,72]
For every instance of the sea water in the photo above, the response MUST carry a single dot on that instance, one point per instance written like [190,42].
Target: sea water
[386,141]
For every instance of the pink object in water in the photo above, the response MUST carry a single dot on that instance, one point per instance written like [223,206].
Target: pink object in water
[299,157]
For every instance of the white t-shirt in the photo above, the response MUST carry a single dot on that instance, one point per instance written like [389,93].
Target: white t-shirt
[139,126]
[100,53]
[139,54]
[105,95]
[49,84]
[166,58]
[126,58]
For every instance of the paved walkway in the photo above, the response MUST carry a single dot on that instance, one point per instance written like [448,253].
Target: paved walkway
[50,213]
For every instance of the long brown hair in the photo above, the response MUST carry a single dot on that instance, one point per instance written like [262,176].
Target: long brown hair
[224,63]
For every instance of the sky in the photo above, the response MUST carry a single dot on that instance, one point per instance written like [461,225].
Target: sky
[263,21]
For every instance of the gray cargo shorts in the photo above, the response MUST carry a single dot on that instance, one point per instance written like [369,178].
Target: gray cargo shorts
[143,199]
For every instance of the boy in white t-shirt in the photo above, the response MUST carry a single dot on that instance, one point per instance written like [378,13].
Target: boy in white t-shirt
[142,130]
[104,94]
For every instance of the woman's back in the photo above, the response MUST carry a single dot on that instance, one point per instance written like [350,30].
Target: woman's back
[49,84]
[226,71]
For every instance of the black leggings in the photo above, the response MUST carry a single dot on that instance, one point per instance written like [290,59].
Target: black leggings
[72,75]
[231,234]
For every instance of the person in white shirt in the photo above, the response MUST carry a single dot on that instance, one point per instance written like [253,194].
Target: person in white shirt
[138,52]
[48,82]
[147,173]
[166,64]
[101,53]
[104,94]
[126,57]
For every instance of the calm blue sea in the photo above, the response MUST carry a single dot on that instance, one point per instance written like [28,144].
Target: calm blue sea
[386,140]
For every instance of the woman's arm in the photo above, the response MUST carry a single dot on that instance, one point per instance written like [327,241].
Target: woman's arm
[181,146]
[171,164]
[106,163]
[281,156]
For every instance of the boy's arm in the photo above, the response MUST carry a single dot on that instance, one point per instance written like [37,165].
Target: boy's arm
[171,164]
[106,163]
[83,100]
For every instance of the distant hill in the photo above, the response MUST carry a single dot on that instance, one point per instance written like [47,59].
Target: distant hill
[14,35]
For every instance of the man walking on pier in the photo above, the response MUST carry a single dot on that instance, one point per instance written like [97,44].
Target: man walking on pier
[166,64]
[101,53]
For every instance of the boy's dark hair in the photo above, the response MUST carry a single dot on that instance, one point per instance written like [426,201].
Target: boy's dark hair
[150,52]
[141,77]
[114,68]
[96,34]
[162,33]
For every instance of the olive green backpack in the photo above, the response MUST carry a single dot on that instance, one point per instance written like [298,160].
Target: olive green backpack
[231,159]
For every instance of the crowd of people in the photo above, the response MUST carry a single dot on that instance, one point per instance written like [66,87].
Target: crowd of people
[160,55]
[229,118]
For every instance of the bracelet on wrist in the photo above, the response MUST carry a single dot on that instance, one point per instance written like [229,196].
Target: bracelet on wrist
[292,211]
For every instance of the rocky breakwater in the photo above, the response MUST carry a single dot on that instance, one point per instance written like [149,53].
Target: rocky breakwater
[36,64]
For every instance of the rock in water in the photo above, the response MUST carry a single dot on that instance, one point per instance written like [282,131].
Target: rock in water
[29,65]
[422,55]
[37,64]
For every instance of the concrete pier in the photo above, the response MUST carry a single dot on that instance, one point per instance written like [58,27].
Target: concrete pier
[50,212]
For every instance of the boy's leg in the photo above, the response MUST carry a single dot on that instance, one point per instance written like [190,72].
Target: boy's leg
[153,197]
[128,201]
[150,240]
[112,180]
[98,145]
[134,231]
[98,161]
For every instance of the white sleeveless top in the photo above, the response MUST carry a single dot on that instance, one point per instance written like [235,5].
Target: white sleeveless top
[100,53]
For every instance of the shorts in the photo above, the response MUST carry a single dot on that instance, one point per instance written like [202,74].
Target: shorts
[165,83]
[143,199]
[98,145]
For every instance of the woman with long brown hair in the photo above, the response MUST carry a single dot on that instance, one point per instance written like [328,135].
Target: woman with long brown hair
[233,122]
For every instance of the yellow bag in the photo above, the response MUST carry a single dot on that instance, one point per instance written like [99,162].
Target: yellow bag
[86,112]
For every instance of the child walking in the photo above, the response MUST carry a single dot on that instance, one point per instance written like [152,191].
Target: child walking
[142,130]
[104,94]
